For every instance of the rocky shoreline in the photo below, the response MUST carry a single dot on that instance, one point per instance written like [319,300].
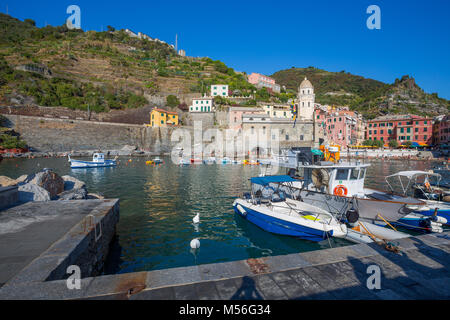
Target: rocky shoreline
[47,185]
[125,151]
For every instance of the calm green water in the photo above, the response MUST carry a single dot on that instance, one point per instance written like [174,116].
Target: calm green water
[157,205]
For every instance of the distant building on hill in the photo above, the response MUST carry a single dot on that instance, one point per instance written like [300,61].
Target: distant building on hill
[262,81]
[219,90]
[204,104]
[163,118]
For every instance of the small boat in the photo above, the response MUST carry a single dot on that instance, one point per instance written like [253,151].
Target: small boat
[226,160]
[184,162]
[196,160]
[437,200]
[269,208]
[251,163]
[98,160]
[157,160]
[210,160]
[366,232]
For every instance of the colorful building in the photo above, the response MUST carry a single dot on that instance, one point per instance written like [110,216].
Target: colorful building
[279,111]
[163,118]
[402,128]
[262,81]
[340,127]
[441,130]
[236,114]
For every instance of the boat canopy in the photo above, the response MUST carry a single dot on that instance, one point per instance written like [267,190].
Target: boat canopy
[271,179]
[413,174]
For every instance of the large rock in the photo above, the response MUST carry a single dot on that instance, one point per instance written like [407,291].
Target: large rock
[32,192]
[48,180]
[71,183]
[7,181]
[74,194]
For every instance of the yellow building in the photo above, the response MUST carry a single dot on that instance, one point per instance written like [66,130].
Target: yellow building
[162,118]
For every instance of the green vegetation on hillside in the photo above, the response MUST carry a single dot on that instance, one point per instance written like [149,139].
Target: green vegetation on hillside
[367,96]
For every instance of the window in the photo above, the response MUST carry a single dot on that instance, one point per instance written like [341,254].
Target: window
[264,130]
[153,116]
[235,119]
[416,137]
[318,117]
[425,137]
[374,131]
[162,114]
[425,122]
[362,173]
[196,102]
[402,130]
[342,174]
[370,125]
[425,129]
[374,125]
[253,130]
[287,137]
[389,131]
[301,137]
[381,131]
[354,173]
[408,130]
[162,121]
[370,131]
[408,138]
[416,130]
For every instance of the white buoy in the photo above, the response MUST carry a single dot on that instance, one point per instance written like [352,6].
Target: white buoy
[196,218]
[195,244]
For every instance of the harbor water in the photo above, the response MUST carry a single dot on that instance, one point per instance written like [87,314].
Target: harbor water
[158,203]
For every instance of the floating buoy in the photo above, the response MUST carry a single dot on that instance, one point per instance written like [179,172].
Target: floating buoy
[195,244]
[196,218]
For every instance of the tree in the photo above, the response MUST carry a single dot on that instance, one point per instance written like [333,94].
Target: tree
[393,144]
[408,144]
[111,29]
[172,101]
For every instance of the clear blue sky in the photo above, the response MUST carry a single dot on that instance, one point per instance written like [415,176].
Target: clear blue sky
[267,36]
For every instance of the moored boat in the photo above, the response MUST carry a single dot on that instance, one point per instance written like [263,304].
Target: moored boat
[269,209]
[98,160]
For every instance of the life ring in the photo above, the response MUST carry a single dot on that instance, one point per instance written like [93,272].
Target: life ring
[340,190]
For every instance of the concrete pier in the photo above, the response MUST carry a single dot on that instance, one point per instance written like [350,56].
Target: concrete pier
[39,240]
[418,272]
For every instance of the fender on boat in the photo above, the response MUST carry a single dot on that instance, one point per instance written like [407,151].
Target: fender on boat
[241,210]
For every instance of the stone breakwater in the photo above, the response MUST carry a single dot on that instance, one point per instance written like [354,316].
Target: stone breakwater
[47,185]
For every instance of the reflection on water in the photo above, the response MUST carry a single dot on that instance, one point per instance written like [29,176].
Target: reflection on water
[157,204]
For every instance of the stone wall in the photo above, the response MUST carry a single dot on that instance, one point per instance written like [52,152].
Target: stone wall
[65,135]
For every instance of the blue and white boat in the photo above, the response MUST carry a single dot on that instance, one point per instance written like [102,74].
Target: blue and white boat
[423,188]
[98,160]
[336,186]
[269,208]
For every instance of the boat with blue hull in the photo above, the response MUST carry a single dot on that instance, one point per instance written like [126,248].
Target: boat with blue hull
[98,161]
[269,209]
[424,186]
[336,186]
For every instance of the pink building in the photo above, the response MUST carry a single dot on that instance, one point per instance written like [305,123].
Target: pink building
[235,116]
[340,127]
[441,131]
[262,81]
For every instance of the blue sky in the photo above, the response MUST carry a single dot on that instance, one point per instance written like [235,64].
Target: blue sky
[267,36]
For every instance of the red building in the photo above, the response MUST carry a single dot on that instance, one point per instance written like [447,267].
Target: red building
[441,130]
[402,128]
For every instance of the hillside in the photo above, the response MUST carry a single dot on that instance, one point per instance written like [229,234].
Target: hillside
[370,97]
[54,66]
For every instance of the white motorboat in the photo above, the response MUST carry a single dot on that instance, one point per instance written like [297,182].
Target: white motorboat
[269,209]
[98,160]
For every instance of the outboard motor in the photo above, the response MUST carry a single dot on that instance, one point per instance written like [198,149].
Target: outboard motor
[352,215]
